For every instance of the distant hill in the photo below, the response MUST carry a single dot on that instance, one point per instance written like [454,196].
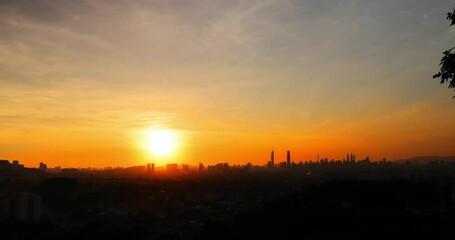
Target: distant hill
[427,159]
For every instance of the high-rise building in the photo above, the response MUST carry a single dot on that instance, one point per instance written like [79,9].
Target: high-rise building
[35,207]
[185,167]
[172,167]
[201,167]
[272,158]
[150,167]
[21,207]
[42,166]
[288,159]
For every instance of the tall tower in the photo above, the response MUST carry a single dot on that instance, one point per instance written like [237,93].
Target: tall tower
[288,159]
[347,157]
[272,158]
[152,169]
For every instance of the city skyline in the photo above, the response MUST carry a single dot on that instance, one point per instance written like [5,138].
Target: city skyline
[283,161]
[89,84]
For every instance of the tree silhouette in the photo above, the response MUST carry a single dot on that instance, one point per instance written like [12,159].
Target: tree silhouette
[447,71]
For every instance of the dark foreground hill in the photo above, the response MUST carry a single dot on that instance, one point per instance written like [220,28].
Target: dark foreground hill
[347,210]
[232,208]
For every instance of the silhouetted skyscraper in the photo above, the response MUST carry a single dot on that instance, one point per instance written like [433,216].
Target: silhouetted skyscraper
[185,167]
[201,167]
[22,207]
[288,159]
[42,166]
[272,158]
[150,167]
[172,167]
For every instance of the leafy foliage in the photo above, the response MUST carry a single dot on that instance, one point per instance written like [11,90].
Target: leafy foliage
[447,64]
[451,17]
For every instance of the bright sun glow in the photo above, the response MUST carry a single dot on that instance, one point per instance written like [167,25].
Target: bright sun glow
[161,142]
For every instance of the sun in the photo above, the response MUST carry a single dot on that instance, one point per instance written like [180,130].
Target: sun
[161,142]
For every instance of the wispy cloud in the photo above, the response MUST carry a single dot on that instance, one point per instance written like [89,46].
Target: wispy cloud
[300,67]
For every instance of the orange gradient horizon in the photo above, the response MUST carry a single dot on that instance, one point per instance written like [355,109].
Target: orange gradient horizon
[83,82]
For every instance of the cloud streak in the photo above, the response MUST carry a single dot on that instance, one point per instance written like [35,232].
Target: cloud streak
[314,68]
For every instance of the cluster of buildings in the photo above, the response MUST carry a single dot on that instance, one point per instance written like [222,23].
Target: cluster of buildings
[350,159]
[225,167]
[18,206]
[151,168]
[6,165]
[21,207]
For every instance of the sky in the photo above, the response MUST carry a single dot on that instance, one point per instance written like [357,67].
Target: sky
[82,82]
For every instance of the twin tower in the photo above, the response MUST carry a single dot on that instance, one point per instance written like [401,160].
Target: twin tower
[271,163]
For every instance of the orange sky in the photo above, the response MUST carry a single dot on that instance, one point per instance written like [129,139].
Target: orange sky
[81,81]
